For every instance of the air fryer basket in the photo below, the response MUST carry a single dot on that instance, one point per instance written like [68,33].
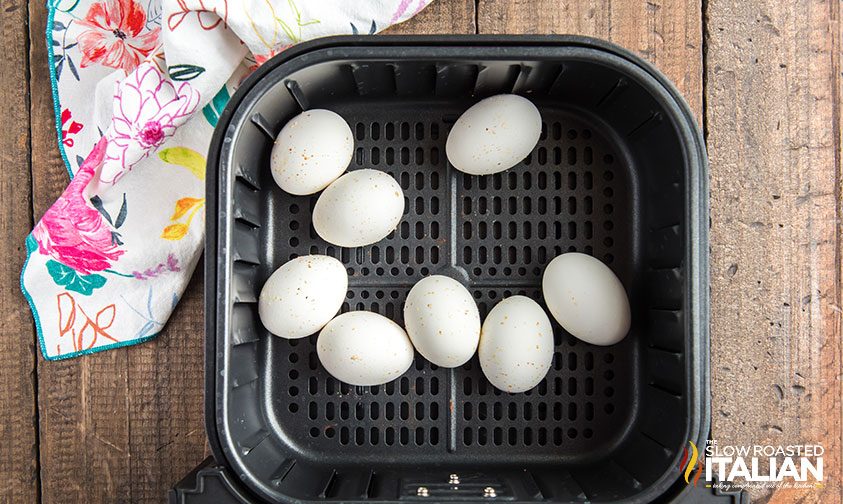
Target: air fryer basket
[619,173]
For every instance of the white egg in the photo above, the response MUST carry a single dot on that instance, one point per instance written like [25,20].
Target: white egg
[311,151]
[494,135]
[364,348]
[301,296]
[360,208]
[586,298]
[442,321]
[516,344]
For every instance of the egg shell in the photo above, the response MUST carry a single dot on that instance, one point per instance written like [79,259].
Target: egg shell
[364,348]
[360,208]
[516,344]
[494,135]
[311,151]
[586,298]
[442,321]
[301,296]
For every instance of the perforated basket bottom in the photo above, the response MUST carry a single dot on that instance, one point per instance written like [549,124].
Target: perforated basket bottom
[573,193]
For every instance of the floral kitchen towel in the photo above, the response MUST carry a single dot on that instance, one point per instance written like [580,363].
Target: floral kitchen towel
[138,86]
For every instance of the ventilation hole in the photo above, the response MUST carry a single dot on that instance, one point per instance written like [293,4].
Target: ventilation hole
[608,159]
[497,436]
[482,436]
[376,131]
[589,411]
[589,386]
[572,433]
[572,134]
[314,432]
[404,436]
[359,436]
[404,155]
[589,361]
[557,436]
[609,408]
[359,156]
[294,209]
[572,411]
[572,386]
[419,131]
[587,155]
[541,180]
[608,175]
[608,192]
[588,180]
[512,436]
[293,407]
[572,156]
[541,156]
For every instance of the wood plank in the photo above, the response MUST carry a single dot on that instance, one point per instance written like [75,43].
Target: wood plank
[84,426]
[441,16]
[126,424]
[668,33]
[18,449]
[773,96]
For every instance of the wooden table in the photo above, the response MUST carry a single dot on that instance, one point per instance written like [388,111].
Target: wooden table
[764,79]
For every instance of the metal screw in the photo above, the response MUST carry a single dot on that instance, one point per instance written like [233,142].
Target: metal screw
[489,492]
[422,492]
[454,479]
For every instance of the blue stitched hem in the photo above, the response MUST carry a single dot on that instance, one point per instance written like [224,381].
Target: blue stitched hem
[31,246]
[54,83]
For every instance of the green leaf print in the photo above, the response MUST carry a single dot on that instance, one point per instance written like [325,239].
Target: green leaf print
[72,280]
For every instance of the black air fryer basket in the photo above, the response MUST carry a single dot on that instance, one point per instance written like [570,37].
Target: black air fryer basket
[619,173]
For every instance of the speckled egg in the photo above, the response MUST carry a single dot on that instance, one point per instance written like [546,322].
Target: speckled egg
[360,208]
[364,348]
[442,321]
[494,135]
[516,344]
[311,151]
[301,296]
[586,298]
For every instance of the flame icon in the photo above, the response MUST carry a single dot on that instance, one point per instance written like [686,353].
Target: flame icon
[692,461]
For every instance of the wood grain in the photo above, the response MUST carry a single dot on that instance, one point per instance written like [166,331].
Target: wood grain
[18,447]
[441,16]
[667,33]
[125,425]
[773,96]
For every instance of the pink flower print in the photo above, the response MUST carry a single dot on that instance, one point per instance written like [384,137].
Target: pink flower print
[114,35]
[68,127]
[73,232]
[148,108]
